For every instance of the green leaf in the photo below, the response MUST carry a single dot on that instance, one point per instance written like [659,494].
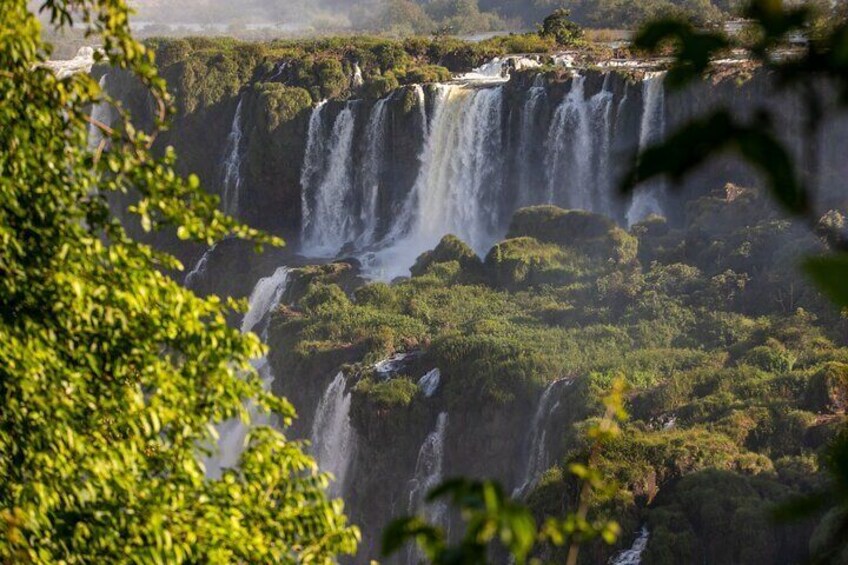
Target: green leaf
[831,275]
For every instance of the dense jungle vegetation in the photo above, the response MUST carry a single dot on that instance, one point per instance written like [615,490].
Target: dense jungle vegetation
[737,366]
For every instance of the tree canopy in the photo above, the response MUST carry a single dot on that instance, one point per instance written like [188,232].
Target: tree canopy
[112,376]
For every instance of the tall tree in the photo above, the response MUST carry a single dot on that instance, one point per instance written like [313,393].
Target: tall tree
[112,376]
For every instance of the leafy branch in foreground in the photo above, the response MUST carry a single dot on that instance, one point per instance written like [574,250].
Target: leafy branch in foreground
[112,376]
[494,522]
[822,64]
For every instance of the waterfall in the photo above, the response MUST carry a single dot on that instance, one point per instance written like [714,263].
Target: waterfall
[460,178]
[232,434]
[601,113]
[313,161]
[429,473]
[648,198]
[351,202]
[538,461]
[528,192]
[100,112]
[232,164]
[199,270]
[265,296]
[333,438]
[327,223]
[421,100]
[372,171]
[569,150]
[430,382]
[633,556]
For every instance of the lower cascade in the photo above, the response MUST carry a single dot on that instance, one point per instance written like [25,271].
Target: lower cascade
[264,298]
[429,473]
[538,458]
[333,438]
[633,556]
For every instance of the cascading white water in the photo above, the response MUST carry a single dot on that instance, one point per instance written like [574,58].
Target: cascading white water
[459,182]
[333,438]
[466,184]
[528,192]
[313,161]
[538,458]
[569,150]
[429,473]
[232,434]
[265,296]
[232,164]
[327,225]
[430,382]
[633,556]
[421,100]
[601,113]
[579,146]
[372,170]
[100,113]
[647,198]
[199,270]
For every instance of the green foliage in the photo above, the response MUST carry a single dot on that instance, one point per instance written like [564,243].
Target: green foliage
[450,248]
[823,61]
[523,262]
[559,27]
[112,376]
[628,15]
[722,517]
[591,234]
[388,394]
[282,103]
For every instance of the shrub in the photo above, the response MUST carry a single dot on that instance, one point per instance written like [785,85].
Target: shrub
[324,299]
[594,235]
[524,261]
[559,26]
[827,389]
[773,358]
[282,103]
[450,248]
[387,394]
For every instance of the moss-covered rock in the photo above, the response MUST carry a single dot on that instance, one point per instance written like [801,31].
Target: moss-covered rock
[449,249]
[594,235]
[281,104]
[524,262]
[343,274]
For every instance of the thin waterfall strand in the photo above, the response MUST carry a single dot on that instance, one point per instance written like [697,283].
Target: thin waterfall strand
[232,163]
[648,198]
[538,459]
[233,433]
[333,438]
